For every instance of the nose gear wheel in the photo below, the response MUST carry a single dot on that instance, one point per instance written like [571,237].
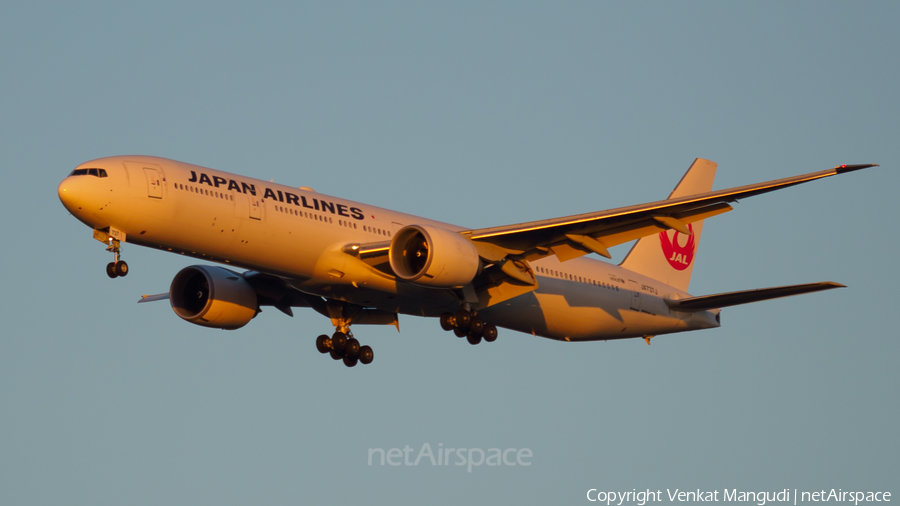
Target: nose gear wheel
[117,268]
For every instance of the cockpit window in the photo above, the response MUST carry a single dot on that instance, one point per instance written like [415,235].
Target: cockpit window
[89,172]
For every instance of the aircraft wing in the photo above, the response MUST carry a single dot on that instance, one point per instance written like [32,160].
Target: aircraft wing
[573,236]
[154,298]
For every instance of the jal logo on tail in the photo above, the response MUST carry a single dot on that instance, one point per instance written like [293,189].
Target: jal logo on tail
[679,256]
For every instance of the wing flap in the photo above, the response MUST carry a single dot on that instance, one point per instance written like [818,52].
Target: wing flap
[721,300]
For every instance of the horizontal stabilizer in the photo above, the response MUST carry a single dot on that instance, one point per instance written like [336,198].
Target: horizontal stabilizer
[720,300]
[154,298]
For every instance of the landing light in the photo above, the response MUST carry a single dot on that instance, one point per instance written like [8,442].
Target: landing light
[351,249]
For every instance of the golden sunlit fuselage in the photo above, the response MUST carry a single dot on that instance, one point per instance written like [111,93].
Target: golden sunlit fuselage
[298,234]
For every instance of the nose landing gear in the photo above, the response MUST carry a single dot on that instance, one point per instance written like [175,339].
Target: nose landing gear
[118,267]
[466,324]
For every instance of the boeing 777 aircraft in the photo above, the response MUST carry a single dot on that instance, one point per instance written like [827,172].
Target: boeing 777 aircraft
[359,264]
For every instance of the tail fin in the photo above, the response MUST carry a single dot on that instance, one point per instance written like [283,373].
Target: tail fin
[669,256]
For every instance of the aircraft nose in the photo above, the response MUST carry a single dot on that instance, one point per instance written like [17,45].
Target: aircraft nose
[65,195]
[71,193]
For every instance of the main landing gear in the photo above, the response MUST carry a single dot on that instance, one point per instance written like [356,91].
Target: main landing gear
[343,346]
[466,324]
[117,268]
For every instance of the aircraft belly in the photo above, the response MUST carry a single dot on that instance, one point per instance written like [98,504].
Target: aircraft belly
[571,311]
[384,294]
[423,302]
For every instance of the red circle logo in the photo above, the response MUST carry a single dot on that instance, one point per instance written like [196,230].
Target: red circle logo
[678,255]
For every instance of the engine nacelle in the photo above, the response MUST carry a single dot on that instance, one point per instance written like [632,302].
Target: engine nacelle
[213,297]
[433,257]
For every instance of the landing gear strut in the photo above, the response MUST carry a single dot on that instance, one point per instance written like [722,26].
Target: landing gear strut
[117,268]
[343,346]
[469,325]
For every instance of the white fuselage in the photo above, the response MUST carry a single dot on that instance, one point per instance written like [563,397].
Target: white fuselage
[298,234]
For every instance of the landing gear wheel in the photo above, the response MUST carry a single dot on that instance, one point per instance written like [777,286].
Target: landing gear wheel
[335,355]
[476,326]
[459,332]
[447,321]
[121,268]
[366,354]
[323,344]
[111,270]
[490,333]
[351,349]
[463,319]
[350,362]
[473,338]
[338,342]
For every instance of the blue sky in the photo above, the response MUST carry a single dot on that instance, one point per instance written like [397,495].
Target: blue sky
[476,114]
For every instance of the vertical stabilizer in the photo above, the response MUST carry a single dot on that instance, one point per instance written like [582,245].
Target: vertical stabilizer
[669,255]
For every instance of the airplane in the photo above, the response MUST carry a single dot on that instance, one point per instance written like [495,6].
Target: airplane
[363,265]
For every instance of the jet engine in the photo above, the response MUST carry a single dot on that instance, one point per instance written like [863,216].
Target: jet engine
[213,297]
[433,257]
